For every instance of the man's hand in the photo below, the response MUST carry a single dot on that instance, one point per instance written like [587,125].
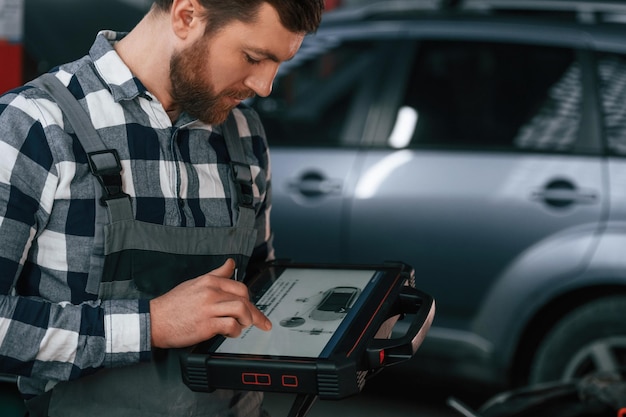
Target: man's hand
[203,307]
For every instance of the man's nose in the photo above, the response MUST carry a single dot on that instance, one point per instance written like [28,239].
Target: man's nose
[260,81]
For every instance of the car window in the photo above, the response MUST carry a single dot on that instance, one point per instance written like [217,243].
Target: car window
[490,95]
[612,73]
[312,94]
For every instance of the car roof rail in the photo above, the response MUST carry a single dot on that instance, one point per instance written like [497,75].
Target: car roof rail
[387,7]
[590,11]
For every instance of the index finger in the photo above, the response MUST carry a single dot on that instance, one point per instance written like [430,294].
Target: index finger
[259,319]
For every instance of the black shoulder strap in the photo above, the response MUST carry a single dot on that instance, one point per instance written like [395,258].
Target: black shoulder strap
[105,167]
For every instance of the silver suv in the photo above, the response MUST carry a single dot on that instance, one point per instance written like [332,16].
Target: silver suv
[485,145]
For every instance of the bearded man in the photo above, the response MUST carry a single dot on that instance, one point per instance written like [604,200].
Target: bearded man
[94,314]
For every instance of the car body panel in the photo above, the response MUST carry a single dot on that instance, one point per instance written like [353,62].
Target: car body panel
[478,198]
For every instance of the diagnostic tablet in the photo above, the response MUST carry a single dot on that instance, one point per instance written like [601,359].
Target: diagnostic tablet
[331,327]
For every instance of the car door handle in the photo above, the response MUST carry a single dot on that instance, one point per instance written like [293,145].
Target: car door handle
[562,193]
[314,184]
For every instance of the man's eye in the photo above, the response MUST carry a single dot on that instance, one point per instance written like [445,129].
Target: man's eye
[252,60]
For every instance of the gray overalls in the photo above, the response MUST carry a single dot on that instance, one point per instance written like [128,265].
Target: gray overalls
[144,260]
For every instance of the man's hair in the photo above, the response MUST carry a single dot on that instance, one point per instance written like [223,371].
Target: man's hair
[298,16]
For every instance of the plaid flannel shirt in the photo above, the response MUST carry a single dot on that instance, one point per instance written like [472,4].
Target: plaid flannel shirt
[51,327]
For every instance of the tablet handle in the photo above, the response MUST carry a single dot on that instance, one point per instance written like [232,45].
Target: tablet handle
[385,352]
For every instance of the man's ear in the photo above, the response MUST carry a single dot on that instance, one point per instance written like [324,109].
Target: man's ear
[186,17]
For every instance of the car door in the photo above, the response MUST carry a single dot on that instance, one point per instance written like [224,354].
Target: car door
[480,163]
[314,121]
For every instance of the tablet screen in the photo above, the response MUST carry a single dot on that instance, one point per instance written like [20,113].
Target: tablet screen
[309,310]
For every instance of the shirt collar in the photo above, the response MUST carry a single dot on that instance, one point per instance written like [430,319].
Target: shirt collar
[112,70]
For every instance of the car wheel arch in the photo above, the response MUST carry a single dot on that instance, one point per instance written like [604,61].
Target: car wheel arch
[546,318]
[532,283]
[532,280]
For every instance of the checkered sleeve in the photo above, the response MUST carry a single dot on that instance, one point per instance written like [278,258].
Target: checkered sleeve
[65,341]
[40,338]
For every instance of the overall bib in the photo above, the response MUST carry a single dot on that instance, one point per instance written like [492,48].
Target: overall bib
[144,260]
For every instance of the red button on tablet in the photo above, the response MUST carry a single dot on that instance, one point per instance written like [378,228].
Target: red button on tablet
[249,378]
[290,381]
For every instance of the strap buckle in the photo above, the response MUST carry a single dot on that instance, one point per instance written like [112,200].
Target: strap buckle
[107,168]
[242,175]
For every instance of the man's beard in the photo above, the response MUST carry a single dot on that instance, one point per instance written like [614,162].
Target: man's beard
[193,93]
